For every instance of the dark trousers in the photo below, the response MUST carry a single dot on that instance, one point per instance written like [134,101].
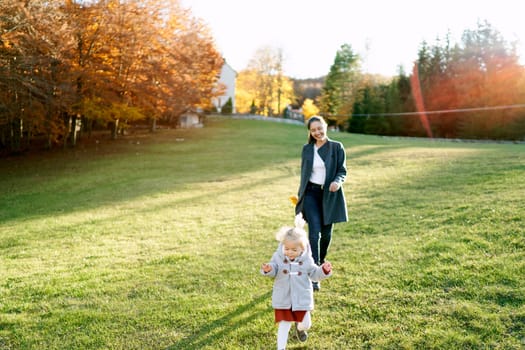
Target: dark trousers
[319,234]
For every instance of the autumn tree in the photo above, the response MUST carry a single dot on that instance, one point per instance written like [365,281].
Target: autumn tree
[309,108]
[195,64]
[482,71]
[34,37]
[471,89]
[489,75]
[153,60]
[264,84]
[89,24]
[248,96]
[105,60]
[246,91]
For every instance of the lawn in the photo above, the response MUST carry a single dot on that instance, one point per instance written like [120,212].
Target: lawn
[156,243]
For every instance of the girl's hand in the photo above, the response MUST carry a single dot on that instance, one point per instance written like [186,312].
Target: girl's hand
[266,268]
[327,267]
[334,187]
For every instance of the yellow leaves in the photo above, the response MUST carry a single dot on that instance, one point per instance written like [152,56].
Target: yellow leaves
[122,111]
[249,89]
[93,27]
[106,60]
[7,43]
[92,108]
[309,108]
[294,199]
[98,109]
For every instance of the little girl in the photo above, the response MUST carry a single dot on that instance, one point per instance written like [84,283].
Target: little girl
[294,269]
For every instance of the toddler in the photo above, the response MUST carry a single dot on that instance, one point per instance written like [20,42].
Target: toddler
[294,269]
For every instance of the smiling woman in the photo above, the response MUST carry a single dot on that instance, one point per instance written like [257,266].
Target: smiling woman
[321,199]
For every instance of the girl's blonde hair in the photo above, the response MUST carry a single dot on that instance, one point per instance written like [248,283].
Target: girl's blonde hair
[294,234]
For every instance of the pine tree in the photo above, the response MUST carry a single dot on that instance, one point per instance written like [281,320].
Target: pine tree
[341,85]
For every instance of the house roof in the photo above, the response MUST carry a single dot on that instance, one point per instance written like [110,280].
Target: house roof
[228,65]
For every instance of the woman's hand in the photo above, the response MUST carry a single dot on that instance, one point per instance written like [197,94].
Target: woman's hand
[334,187]
[266,268]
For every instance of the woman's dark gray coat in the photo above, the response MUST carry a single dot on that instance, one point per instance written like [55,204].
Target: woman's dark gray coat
[334,157]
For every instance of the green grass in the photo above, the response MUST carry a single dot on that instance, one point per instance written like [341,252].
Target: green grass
[156,243]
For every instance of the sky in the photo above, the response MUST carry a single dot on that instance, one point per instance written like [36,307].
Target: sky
[385,33]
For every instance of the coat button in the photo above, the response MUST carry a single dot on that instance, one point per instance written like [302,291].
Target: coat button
[299,273]
[285,271]
[300,263]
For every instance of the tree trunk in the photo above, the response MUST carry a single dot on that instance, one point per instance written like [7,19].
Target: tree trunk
[67,122]
[75,129]
[114,131]
[16,135]
[153,124]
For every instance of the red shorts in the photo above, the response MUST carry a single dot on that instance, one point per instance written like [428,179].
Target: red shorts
[289,315]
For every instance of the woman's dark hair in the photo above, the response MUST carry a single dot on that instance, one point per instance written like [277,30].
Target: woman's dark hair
[315,118]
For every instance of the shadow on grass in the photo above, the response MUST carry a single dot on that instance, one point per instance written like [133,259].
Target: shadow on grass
[65,183]
[357,152]
[58,226]
[212,332]
[58,189]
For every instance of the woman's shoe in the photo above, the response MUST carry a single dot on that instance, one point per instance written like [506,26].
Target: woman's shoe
[316,286]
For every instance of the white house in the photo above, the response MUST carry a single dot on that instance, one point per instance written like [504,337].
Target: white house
[227,78]
[190,119]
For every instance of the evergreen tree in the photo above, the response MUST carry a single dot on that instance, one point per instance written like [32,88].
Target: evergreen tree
[398,100]
[253,108]
[227,108]
[341,85]
[482,70]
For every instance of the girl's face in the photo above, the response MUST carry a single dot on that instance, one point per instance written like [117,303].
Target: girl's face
[318,131]
[292,249]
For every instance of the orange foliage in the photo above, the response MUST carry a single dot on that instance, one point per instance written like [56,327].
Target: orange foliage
[478,84]
[146,58]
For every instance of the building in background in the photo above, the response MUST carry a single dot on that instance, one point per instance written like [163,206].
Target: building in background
[227,78]
[191,119]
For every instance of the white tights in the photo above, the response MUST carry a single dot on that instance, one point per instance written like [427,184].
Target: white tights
[284,329]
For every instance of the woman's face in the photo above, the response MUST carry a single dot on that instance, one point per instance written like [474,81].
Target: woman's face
[318,131]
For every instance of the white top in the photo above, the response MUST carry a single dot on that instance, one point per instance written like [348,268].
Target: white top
[318,170]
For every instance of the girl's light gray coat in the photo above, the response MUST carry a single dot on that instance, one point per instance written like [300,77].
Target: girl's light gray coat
[334,157]
[292,288]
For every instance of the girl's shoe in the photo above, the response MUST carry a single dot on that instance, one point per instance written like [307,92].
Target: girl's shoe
[302,335]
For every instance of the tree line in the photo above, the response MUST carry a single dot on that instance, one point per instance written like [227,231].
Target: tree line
[66,64]
[473,89]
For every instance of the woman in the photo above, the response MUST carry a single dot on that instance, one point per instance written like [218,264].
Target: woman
[321,199]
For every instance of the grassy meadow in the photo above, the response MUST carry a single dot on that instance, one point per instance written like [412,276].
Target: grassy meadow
[156,243]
